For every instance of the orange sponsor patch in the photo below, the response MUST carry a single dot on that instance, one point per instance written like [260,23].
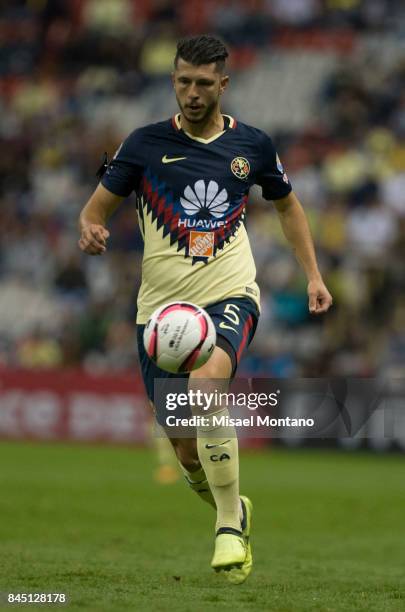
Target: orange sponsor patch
[201,244]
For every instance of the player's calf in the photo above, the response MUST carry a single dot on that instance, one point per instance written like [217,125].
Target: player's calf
[218,452]
[186,451]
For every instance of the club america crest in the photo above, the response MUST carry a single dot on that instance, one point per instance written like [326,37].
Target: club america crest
[240,167]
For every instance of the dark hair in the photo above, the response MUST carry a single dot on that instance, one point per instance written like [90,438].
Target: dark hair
[202,50]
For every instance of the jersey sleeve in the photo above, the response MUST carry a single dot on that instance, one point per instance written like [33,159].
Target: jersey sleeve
[272,178]
[124,172]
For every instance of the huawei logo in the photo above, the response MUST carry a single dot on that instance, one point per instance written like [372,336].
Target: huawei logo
[205,200]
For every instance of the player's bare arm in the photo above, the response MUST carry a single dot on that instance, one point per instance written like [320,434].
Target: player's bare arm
[296,230]
[93,219]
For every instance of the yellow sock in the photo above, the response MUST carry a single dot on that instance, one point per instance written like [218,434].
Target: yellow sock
[217,447]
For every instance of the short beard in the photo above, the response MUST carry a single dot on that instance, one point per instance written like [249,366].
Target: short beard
[208,112]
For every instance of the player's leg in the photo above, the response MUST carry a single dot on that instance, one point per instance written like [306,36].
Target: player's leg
[235,321]
[217,445]
[229,548]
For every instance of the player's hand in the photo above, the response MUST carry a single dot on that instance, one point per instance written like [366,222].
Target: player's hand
[93,240]
[320,300]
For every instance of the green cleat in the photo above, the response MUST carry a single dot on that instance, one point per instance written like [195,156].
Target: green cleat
[230,550]
[237,575]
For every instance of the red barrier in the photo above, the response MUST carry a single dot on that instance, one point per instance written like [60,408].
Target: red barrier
[73,405]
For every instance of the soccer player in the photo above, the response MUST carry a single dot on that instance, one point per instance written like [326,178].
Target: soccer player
[191,175]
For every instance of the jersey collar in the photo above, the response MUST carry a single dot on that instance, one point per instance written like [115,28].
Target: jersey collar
[229,123]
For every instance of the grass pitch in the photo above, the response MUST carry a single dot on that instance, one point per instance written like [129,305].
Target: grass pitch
[90,522]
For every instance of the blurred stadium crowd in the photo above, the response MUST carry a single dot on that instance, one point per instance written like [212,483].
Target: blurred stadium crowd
[326,79]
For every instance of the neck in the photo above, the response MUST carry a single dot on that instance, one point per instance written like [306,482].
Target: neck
[205,129]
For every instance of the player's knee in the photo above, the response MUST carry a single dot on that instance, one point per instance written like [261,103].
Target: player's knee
[211,380]
[186,452]
[218,366]
[207,371]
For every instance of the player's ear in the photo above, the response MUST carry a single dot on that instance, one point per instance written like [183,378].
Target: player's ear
[173,78]
[223,84]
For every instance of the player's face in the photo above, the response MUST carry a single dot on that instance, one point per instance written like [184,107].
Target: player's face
[198,89]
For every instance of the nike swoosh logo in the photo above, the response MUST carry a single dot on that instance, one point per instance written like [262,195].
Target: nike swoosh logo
[215,445]
[169,160]
[223,325]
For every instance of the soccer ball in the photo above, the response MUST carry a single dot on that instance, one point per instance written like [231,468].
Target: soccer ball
[179,337]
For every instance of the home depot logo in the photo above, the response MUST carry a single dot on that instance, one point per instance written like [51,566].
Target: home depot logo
[201,244]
